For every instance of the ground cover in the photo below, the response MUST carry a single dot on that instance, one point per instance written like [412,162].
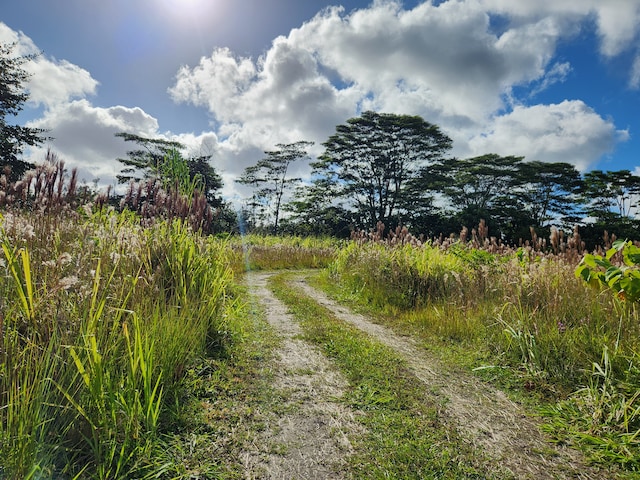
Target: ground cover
[135,352]
[519,318]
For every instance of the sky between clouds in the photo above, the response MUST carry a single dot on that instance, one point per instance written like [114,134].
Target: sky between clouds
[552,80]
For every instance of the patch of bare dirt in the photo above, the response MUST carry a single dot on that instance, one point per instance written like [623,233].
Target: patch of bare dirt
[308,437]
[482,414]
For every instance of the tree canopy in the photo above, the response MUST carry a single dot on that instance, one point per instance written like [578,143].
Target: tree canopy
[145,161]
[161,158]
[13,95]
[269,180]
[549,191]
[371,159]
[609,194]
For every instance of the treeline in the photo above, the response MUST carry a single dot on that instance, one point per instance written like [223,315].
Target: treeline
[394,169]
[376,168]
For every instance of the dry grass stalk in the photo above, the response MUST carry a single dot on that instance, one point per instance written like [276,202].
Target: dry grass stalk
[570,248]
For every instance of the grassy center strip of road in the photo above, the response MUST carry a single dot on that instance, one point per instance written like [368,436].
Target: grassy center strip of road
[405,437]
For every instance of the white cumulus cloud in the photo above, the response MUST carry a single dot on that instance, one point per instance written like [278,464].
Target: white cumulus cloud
[444,62]
[85,136]
[52,82]
[452,63]
[569,131]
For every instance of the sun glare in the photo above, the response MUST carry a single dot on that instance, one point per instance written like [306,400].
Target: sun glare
[188,8]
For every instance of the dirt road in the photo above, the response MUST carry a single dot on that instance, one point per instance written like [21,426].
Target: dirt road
[309,437]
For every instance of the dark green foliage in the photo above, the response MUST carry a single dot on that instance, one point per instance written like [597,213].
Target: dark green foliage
[612,194]
[313,212]
[369,163]
[549,190]
[144,162]
[479,183]
[200,167]
[14,138]
[611,200]
[480,188]
[158,158]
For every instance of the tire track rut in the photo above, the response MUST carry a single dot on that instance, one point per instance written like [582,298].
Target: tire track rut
[484,415]
[309,438]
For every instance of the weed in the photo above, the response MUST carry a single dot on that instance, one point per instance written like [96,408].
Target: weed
[101,320]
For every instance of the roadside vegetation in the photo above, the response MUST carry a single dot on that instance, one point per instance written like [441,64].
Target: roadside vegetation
[260,252]
[522,318]
[101,321]
[129,349]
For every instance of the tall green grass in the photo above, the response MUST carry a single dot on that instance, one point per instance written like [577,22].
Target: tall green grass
[269,252]
[525,318]
[99,320]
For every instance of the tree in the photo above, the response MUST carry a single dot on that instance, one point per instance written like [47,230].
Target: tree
[549,191]
[199,167]
[269,179]
[611,194]
[371,159]
[144,162]
[475,184]
[313,212]
[161,159]
[611,202]
[481,188]
[14,138]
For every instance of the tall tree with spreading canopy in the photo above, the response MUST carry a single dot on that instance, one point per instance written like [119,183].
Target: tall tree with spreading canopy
[481,188]
[269,178]
[610,200]
[612,194]
[476,184]
[371,159]
[549,192]
[13,95]
[160,158]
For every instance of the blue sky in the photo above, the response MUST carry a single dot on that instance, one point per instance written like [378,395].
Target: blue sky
[551,80]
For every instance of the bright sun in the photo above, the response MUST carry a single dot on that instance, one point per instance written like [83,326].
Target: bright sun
[188,8]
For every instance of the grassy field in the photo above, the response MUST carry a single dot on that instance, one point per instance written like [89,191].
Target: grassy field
[520,319]
[133,352]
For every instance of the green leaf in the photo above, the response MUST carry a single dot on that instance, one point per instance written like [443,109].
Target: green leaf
[619,245]
[606,264]
[590,260]
[611,252]
[612,273]
[583,272]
